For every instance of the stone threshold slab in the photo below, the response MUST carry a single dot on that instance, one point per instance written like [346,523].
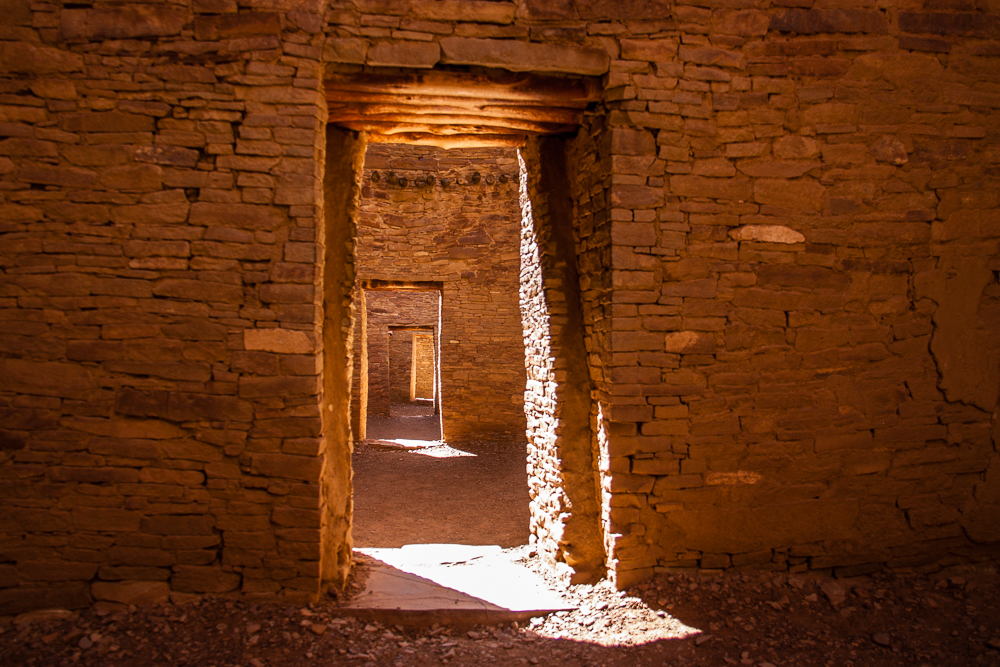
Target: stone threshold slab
[457,584]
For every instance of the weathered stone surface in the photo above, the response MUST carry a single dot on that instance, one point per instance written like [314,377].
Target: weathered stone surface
[740,189]
[229,26]
[964,346]
[981,514]
[704,55]
[287,341]
[203,579]
[139,593]
[135,21]
[777,168]
[404,54]
[248,216]
[889,149]
[744,22]
[46,378]
[346,50]
[794,146]
[524,56]
[947,23]
[20,58]
[690,342]
[603,10]
[286,466]
[800,194]
[807,21]
[477,11]
[653,50]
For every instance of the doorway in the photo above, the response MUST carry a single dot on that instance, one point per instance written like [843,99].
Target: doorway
[438,265]
[564,510]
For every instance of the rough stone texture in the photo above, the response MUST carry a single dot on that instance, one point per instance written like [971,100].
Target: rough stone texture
[463,236]
[797,406]
[563,477]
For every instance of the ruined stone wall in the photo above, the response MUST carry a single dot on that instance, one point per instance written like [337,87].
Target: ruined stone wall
[463,235]
[800,369]
[160,170]
[792,192]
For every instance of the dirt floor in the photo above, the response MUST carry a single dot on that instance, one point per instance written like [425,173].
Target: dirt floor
[677,619]
[410,489]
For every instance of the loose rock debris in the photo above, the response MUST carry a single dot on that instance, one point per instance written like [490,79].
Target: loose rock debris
[761,619]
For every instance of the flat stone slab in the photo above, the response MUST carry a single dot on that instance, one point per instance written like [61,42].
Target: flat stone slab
[449,583]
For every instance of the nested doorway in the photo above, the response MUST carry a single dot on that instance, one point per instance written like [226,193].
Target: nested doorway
[490,110]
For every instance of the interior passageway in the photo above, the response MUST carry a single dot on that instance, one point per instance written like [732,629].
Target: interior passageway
[440,354]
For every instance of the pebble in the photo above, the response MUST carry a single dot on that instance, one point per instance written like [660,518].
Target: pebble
[703,639]
[85,642]
[994,643]
[881,639]
[318,628]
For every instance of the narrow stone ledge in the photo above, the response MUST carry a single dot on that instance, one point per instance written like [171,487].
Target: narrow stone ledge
[524,56]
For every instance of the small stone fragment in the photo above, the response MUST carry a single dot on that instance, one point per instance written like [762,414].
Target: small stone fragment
[994,643]
[834,592]
[318,628]
[881,639]
[889,149]
[703,639]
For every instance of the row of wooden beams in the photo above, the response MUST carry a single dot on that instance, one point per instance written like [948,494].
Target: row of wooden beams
[454,106]
[446,124]
[415,99]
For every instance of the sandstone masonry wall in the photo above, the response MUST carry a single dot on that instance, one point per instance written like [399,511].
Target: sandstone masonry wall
[463,235]
[794,364]
[160,176]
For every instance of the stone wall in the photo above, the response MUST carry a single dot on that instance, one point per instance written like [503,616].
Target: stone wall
[790,329]
[463,235]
